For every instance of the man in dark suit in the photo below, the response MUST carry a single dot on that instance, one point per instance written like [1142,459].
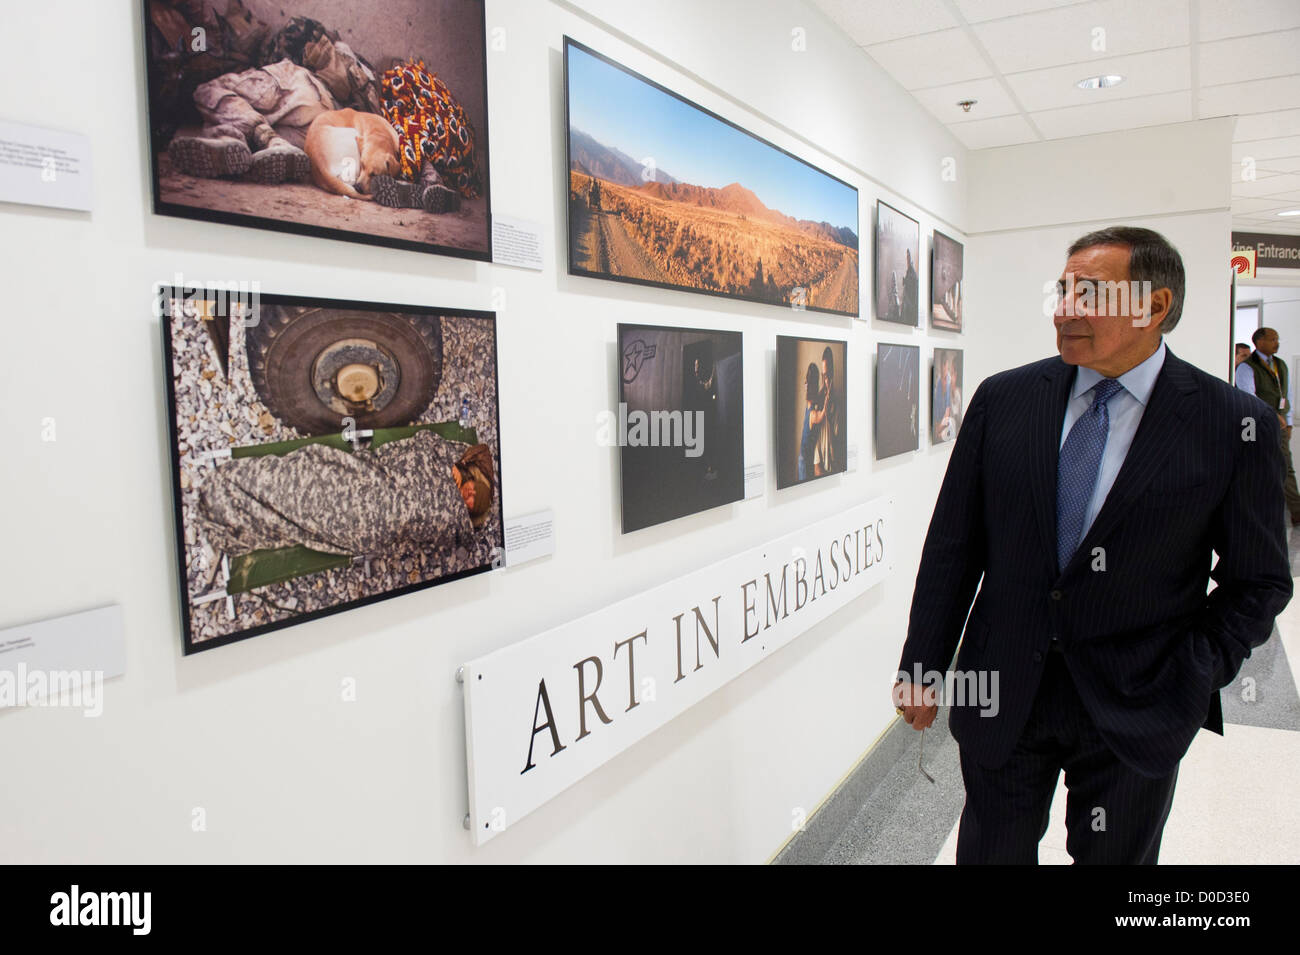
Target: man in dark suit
[1085,497]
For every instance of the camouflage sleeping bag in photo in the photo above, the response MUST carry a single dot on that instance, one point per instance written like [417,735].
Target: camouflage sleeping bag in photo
[356,503]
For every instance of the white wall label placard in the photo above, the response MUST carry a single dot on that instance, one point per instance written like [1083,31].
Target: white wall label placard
[63,661]
[530,536]
[44,167]
[542,714]
[754,483]
[516,242]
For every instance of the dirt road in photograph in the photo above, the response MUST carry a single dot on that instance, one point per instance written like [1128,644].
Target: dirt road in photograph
[604,246]
[839,290]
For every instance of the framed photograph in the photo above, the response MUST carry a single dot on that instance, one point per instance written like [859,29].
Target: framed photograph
[945,283]
[366,122]
[325,454]
[898,244]
[898,397]
[666,193]
[679,423]
[812,428]
[946,392]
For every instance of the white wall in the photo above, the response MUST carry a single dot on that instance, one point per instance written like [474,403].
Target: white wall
[1029,202]
[255,733]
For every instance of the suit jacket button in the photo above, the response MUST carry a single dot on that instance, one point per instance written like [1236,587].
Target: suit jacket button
[1056,595]
[1038,656]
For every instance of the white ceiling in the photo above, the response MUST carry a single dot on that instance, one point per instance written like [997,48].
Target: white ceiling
[1182,60]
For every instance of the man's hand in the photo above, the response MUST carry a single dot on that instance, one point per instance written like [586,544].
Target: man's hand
[918,703]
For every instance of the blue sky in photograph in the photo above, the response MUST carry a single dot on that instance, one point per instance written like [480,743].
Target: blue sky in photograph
[622,112]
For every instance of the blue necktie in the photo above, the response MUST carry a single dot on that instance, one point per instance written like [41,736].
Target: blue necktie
[1076,476]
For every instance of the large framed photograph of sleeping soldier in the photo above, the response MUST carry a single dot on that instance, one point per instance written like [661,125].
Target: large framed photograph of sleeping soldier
[364,121]
[325,454]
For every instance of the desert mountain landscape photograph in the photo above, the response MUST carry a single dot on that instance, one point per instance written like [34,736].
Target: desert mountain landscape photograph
[663,192]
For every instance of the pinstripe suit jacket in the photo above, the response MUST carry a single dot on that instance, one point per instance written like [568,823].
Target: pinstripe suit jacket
[1146,647]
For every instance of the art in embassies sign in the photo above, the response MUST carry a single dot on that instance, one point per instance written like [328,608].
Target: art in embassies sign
[543,713]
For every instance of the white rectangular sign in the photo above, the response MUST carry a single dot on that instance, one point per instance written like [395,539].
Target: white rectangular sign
[63,661]
[543,713]
[516,242]
[530,536]
[44,167]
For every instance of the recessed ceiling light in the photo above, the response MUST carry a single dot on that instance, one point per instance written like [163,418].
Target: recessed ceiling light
[1100,82]
[1290,212]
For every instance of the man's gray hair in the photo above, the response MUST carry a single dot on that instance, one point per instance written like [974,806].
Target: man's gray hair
[1151,259]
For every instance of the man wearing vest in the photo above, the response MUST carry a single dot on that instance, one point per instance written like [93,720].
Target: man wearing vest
[1266,376]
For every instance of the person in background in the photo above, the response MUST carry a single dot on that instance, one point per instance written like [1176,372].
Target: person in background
[1267,377]
[1242,352]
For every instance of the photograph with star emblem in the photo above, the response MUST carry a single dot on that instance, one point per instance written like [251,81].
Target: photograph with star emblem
[812,430]
[679,425]
[325,454]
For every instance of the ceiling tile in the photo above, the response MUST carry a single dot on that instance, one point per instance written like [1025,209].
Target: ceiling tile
[1145,74]
[1278,166]
[878,21]
[1243,206]
[1256,96]
[990,97]
[933,59]
[1272,186]
[1287,225]
[1225,18]
[988,133]
[1120,114]
[1283,122]
[1263,169]
[977,11]
[1054,37]
[1249,58]
[1262,149]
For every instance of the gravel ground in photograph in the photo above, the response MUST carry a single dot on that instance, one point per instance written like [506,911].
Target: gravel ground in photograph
[215,414]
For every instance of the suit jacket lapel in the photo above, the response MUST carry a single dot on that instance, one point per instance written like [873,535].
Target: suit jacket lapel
[1172,400]
[1046,414]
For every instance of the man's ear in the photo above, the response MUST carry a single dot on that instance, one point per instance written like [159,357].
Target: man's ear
[1162,300]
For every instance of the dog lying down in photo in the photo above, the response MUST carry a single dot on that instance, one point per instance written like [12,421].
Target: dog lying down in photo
[347,148]
[423,491]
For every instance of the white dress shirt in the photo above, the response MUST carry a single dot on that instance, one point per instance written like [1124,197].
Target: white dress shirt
[1125,412]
